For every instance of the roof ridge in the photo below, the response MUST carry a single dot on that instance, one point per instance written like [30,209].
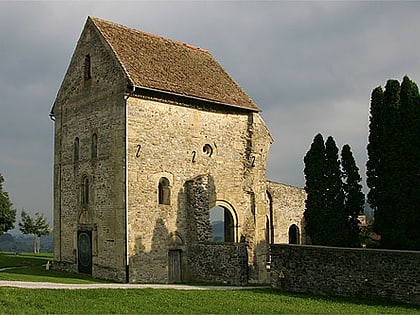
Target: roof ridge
[149,34]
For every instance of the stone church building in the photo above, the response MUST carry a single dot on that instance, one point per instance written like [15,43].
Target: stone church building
[153,140]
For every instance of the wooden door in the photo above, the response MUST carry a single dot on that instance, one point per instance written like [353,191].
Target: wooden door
[174,266]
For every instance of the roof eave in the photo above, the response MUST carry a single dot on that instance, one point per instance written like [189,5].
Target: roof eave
[132,89]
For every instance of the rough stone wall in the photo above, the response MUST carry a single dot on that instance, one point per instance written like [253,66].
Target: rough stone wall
[368,273]
[170,140]
[83,108]
[219,263]
[288,205]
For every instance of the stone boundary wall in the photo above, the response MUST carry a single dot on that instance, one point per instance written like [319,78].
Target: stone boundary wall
[219,263]
[99,272]
[369,273]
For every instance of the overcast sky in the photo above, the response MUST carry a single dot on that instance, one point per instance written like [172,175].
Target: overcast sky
[310,67]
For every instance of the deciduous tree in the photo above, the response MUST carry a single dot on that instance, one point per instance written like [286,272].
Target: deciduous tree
[37,226]
[7,213]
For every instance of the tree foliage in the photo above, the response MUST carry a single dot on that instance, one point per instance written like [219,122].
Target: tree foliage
[334,194]
[7,213]
[315,189]
[393,166]
[37,226]
[354,199]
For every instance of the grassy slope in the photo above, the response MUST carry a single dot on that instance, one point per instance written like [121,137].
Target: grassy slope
[32,268]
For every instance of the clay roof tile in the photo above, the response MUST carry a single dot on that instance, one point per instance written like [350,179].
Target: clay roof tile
[159,63]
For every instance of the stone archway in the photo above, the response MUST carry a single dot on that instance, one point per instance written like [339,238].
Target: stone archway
[224,222]
[294,235]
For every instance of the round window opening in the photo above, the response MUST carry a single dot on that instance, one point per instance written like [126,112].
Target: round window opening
[207,149]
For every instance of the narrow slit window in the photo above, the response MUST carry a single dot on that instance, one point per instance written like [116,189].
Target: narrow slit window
[76,150]
[85,191]
[164,192]
[94,146]
[88,68]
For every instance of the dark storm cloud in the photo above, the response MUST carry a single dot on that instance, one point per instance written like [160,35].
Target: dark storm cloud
[310,66]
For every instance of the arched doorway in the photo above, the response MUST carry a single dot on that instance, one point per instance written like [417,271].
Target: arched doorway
[223,224]
[294,234]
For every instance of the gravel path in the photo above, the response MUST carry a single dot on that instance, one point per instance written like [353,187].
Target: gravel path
[66,286]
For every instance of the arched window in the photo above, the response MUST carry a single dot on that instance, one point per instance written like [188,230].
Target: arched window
[223,226]
[76,150]
[85,190]
[164,191]
[94,149]
[270,227]
[294,234]
[88,68]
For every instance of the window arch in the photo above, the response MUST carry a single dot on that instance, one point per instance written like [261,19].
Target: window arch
[164,192]
[94,146]
[85,190]
[223,224]
[76,150]
[294,234]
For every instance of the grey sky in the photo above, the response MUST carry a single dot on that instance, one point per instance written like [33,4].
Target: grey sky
[310,66]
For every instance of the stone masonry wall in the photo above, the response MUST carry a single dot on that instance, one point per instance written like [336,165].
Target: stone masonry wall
[219,263]
[367,273]
[182,142]
[288,203]
[86,107]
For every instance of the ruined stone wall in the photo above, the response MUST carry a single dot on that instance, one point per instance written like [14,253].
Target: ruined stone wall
[181,142]
[371,273]
[225,263]
[288,206]
[86,107]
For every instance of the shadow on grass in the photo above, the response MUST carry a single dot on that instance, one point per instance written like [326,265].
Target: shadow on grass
[338,299]
[28,267]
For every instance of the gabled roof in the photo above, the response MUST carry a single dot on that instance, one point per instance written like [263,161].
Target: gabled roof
[162,64]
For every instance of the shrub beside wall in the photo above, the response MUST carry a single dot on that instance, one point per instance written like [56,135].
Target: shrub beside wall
[347,272]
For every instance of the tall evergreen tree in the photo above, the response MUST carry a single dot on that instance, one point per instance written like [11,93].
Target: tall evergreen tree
[314,171]
[7,213]
[393,164]
[354,199]
[374,147]
[334,197]
[409,163]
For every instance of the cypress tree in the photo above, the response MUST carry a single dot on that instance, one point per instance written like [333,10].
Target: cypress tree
[336,218]
[393,165]
[354,199]
[374,147]
[314,171]
[387,219]
[409,166]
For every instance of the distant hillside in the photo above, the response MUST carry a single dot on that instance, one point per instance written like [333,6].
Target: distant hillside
[24,243]
[218,231]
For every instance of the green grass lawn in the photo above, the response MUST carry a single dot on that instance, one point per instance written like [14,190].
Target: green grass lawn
[162,301]
[27,267]
[150,301]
